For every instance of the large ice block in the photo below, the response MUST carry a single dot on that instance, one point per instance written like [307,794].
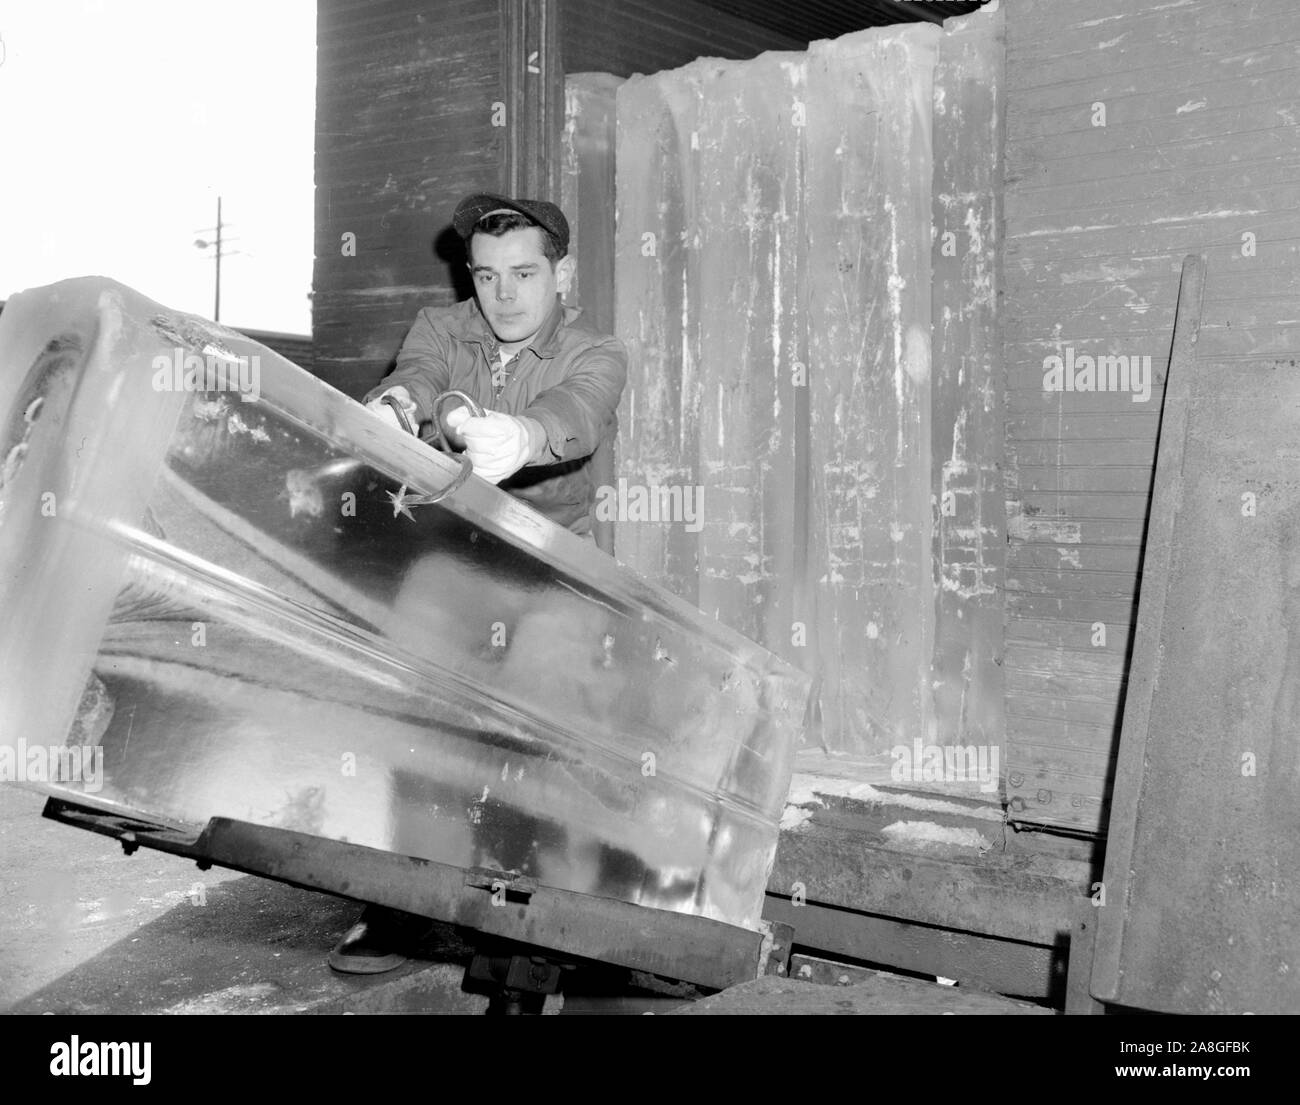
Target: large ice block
[206,581]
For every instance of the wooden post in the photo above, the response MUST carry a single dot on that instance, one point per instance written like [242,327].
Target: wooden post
[533,82]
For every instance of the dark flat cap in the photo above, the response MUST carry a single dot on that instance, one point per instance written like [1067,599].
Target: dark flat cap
[546,215]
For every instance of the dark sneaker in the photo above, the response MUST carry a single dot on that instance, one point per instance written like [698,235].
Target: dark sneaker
[381,940]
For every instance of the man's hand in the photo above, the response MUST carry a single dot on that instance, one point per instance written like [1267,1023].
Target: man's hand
[498,444]
[386,412]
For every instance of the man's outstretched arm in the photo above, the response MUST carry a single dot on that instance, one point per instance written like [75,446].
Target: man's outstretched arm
[575,413]
[423,367]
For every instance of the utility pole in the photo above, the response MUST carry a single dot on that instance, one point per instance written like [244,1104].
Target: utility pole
[216,307]
[219,250]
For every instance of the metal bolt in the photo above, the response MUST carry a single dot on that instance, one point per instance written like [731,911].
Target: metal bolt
[1015,778]
[1044,797]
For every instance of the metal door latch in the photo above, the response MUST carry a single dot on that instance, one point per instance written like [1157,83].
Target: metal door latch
[510,883]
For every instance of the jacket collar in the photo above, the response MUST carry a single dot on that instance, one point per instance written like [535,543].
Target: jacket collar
[472,327]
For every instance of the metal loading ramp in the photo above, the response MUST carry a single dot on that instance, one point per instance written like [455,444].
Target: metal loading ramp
[217,589]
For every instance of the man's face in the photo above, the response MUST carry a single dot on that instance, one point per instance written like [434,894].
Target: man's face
[515,283]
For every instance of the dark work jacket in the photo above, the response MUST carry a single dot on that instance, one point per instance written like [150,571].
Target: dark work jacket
[568,378]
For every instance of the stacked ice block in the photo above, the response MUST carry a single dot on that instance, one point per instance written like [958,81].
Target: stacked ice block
[207,573]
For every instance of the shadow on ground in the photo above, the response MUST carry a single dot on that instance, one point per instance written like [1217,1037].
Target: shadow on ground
[253,946]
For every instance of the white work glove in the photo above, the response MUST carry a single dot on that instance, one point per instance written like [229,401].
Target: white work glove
[386,412]
[498,444]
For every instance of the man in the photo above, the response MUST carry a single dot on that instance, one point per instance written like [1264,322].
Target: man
[549,391]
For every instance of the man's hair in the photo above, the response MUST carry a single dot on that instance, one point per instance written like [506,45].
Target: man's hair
[500,223]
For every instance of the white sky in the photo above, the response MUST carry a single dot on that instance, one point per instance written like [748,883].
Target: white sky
[120,123]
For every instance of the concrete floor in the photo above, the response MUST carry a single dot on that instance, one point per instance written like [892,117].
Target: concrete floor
[86,929]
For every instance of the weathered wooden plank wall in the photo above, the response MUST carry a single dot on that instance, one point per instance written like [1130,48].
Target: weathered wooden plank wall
[420,102]
[623,37]
[1134,136]
[773,283]
[404,128]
